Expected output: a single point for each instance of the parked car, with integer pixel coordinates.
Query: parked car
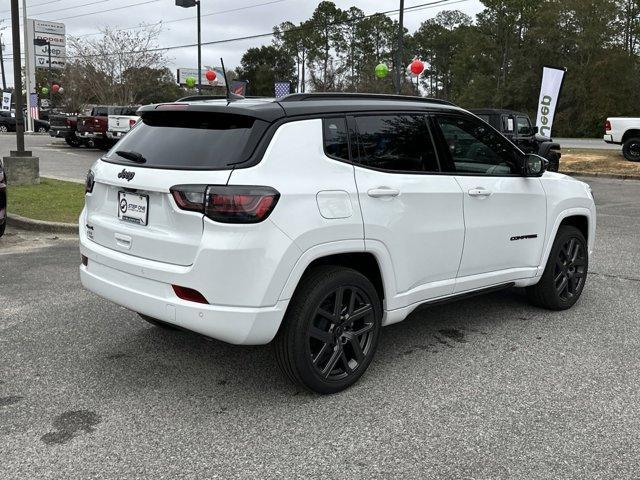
(517, 127)
(121, 120)
(8, 123)
(624, 131)
(64, 126)
(3, 199)
(313, 220)
(92, 128)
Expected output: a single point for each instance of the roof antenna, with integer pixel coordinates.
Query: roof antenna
(231, 97)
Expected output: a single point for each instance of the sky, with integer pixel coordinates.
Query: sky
(222, 19)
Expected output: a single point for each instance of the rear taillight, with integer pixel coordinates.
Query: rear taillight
(189, 294)
(89, 182)
(607, 125)
(132, 122)
(227, 203)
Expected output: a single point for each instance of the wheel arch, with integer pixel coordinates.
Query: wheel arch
(580, 217)
(349, 254)
(631, 133)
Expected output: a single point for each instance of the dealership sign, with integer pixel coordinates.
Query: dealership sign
(55, 34)
(184, 73)
(552, 78)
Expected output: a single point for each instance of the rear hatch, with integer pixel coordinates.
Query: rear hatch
(131, 208)
(60, 121)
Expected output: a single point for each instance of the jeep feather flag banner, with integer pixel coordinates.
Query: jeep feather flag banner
(6, 100)
(549, 92)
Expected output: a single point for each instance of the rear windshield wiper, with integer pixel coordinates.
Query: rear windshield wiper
(133, 156)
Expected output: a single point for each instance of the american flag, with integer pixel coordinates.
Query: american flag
(282, 88)
(33, 111)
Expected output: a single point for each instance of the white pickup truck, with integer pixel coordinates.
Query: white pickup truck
(624, 131)
(121, 120)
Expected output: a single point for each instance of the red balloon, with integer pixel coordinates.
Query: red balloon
(211, 75)
(55, 88)
(417, 67)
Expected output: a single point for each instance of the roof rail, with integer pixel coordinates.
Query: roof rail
(193, 98)
(301, 97)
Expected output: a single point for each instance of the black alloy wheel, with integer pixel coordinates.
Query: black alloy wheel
(341, 332)
(631, 149)
(330, 332)
(565, 274)
(570, 269)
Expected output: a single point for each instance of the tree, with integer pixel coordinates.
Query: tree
(262, 66)
(103, 66)
(325, 31)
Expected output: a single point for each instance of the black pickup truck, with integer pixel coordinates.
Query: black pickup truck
(517, 127)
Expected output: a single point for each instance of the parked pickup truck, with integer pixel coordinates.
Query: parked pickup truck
(121, 120)
(517, 127)
(92, 128)
(64, 126)
(624, 131)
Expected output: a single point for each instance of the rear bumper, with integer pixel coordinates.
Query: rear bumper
(115, 135)
(93, 135)
(609, 139)
(237, 325)
(60, 132)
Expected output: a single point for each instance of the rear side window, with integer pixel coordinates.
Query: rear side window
(189, 140)
(395, 143)
(336, 138)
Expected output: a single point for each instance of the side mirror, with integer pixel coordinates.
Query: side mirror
(534, 165)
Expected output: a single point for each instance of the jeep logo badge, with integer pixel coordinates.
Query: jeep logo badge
(126, 175)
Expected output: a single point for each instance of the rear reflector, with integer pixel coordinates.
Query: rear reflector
(189, 294)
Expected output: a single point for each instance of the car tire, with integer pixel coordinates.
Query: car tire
(4, 129)
(565, 274)
(158, 323)
(554, 161)
(330, 330)
(73, 141)
(42, 130)
(631, 149)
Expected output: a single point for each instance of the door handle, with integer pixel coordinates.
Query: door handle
(383, 192)
(479, 192)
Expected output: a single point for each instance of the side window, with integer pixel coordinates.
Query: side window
(336, 137)
(396, 143)
(475, 148)
(524, 126)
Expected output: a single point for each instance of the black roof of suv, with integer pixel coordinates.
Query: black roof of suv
(302, 104)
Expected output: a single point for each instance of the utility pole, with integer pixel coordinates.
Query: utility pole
(4, 79)
(399, 53)
(21, 167)
(189, 4)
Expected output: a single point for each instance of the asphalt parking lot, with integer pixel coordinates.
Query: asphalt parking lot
(489, 387)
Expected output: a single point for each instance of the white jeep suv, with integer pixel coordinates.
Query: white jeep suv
(314, 220)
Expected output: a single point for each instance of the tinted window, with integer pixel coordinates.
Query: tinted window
(477, 148)
(395, 143)
(100, 112)
(187, 140)
(524, 126)
(336, 138)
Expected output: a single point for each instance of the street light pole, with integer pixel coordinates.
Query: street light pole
(49, 77)
(399, 53)
(188, 4)
(199, 52)
(17, 77)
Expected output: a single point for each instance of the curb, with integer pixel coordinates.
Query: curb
(618, 176)
(40, 225)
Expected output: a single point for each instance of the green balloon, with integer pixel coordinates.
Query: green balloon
(382, 70)
(190, 81)
(45, 90)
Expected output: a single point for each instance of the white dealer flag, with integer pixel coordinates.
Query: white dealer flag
(549, 92)
(6, 100)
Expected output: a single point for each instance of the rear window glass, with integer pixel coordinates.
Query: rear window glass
(188, 140)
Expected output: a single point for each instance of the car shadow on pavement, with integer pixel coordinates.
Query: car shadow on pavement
(183, 363)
